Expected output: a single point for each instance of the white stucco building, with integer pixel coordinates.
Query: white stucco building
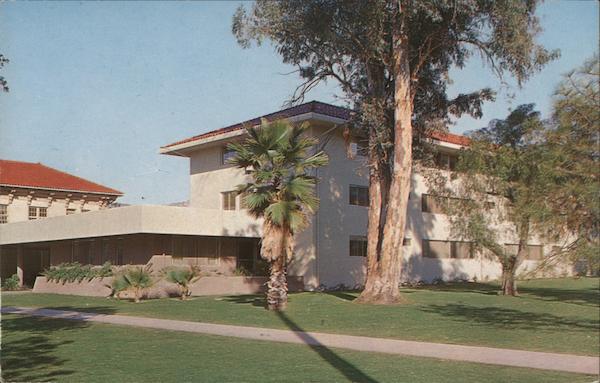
(215, 232)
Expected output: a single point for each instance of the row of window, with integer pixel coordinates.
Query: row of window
(445, 249)
(34, 212)
(440, 205)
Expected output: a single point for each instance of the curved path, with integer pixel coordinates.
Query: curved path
(488, 355)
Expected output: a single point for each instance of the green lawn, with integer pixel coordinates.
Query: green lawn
(550, 315)
(35, 349)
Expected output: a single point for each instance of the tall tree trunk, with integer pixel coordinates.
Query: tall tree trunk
(277, 286)
(511, 263)
(385, 261)
(276, 247)
(509, 284)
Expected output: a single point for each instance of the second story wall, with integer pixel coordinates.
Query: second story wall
(24, 204)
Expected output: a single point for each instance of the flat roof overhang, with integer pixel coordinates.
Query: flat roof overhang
(132, 220)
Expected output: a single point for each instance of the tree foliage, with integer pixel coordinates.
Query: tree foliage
(499, 193)
(572, 152)
(3, 82)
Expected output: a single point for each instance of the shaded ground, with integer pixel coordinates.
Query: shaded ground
(550, 315)
(35, 349)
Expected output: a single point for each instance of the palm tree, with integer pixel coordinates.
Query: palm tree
(183, 277)
(134, 279)
(279, 158)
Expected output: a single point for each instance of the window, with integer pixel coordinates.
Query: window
(229, 200)
(36, 212)
(406, 242)
(359, 195)
(85, 210)
(439, 205)
(447, 249)
(243, 203)
(3, 213)
(533, 252)
(71, 211)
(358, 246)
(446, 161)
(226, 155)
(358, 149)
(432, 204)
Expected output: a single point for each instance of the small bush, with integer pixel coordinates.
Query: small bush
(241, 271)
(182, 277)
(134, 279)
(75, 271)
(11, 283)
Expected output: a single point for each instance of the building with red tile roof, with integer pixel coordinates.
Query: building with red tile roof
(39, 176)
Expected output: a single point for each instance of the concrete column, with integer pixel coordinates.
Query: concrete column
(20, 262)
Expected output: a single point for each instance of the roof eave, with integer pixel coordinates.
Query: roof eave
(184, 148)
(115, 194)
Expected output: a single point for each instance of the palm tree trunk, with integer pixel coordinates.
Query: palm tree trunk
(277, 293)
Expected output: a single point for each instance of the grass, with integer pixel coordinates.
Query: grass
(36, 349)
(559, 315)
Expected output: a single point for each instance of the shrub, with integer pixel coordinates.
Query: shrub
(134, 279)
(241, 271)
(75, 271)
(11, 283)
(182, 277)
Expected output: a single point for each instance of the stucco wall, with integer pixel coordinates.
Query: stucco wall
(100, 287)
(57, 204)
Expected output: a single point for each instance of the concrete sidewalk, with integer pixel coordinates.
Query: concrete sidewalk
(488, 355)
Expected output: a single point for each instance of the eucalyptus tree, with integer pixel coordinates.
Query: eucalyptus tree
(279, 159)
(391, 59)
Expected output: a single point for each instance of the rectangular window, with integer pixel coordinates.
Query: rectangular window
(461, 250)
(358, 246)
(243, 203)
(226, 155)
(359, 195)
(229, 200)
(433, 204)
(440, 205)
(447, 249)
(446, 161)
(3, 213)
(71, 211)
(359, 149)
(436, 249)
(36, 212)
(406, 242)
(533, 252)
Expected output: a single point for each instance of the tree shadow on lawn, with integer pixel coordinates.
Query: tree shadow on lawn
(32, 355)
(505, 318)
(254, 300)
(351, 372)
(583, 297)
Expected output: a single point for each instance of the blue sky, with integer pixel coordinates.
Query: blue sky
(97, 88)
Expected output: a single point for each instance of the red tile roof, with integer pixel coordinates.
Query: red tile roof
(36, 175)
(315, 107)
(451, 138)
